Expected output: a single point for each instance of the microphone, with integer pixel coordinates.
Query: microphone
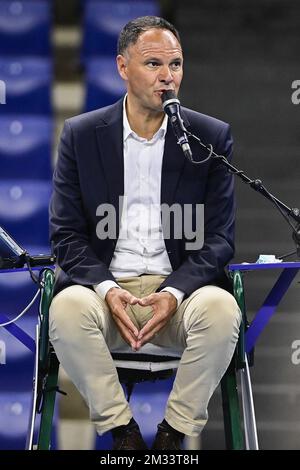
(171, 106)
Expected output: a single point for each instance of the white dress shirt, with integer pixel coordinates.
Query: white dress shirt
(140, 248)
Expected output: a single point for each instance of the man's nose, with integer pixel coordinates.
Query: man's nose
(165, 75)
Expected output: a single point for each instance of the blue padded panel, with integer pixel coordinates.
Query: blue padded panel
(14, 412)
(24, 210)
(104, 85)
(103, 22)
(17, 371)
(28, 82)
(25, 27)
(25, 146)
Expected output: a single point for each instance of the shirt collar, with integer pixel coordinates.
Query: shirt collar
(127, 131)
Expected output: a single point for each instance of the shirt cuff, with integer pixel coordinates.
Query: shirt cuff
(102, 288)
(176, 292)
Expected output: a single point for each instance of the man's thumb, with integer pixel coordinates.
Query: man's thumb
(144, 301)
(133, 300)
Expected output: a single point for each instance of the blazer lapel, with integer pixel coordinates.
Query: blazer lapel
(110, 144)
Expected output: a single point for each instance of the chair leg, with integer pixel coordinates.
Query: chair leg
(231, 411)
(48, 365)
(50, 389)
(251, 439)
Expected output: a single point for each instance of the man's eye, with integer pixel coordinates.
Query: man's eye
(153, 64)
(176, 65)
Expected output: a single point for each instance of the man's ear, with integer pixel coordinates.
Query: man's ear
(122, 65)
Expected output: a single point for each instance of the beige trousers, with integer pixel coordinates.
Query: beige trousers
(204, 331)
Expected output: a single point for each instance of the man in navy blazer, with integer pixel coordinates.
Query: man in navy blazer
(162, 291)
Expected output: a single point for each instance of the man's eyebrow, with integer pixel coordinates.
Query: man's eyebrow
(155, 59)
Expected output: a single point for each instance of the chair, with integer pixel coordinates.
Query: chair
(24, 210)
(103, 21)
(25, 27)
(104, 85)
(25, 147)
(132, 371)
(28, 83)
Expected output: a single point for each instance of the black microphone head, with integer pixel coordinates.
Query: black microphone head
(171, 106)
(170, 102)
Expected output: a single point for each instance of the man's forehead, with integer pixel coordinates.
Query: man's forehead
(157, 40)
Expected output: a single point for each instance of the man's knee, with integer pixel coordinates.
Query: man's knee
(75, 305)
(213, 305)
(227, 311)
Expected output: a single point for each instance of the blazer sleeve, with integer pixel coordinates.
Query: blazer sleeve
(68, 226)
(206, 265)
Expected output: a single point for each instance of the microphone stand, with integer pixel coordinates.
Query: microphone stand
(258, 186)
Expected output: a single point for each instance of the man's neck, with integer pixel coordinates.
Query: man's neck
(144, 123)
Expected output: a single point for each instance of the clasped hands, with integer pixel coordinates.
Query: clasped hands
(164, 305)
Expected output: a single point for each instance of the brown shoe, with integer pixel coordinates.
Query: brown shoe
(166, 440)
(130, 439)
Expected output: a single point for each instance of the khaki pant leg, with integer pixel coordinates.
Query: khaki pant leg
(206, 328)
(83, 332)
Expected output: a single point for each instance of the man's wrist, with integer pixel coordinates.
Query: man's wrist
(103, 287)
(177, 293)
(110, 291)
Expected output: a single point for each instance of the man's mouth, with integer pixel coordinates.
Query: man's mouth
(163, 90)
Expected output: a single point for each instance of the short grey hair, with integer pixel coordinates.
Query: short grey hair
(134, 28)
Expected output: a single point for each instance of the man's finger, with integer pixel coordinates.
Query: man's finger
(124, 318)
(126, 334)
(150, 326)
(151, 334)
(129, 298)
(148, 300)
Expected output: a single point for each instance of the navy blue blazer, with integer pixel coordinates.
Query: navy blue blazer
(90, 172)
